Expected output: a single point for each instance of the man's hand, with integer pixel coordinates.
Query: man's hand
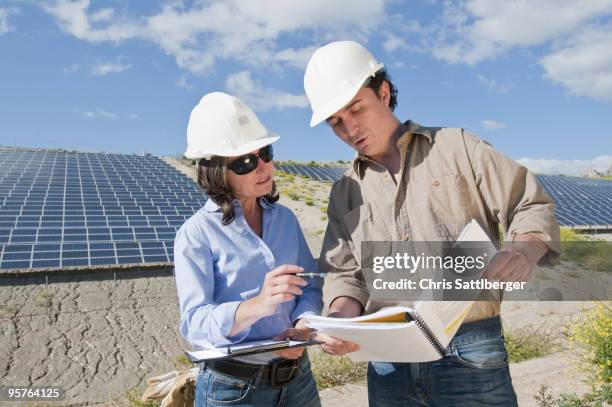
(516, 261)
(335, 346)
(341, 307)
(300, 333)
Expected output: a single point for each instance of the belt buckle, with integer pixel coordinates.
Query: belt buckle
(276, 374)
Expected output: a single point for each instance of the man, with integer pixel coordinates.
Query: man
(410, 182)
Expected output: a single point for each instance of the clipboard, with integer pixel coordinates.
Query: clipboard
(246, 348)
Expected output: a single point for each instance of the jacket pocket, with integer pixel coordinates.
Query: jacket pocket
(444, 205)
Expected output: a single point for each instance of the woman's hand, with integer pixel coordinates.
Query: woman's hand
(280, 285)
(300, 333)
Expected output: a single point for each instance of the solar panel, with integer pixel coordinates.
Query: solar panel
(71, 209)
(580, 202)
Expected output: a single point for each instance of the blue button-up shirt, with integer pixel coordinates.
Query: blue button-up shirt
(218, 266)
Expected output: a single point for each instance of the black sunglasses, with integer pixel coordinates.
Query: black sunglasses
(245, 163)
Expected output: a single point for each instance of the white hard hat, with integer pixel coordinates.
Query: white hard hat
(223, 125)
(334, 75)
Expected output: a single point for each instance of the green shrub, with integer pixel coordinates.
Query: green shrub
(592, 340)
(527, 343)
(594, 398)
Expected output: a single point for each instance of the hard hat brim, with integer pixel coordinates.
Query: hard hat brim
(233, 152)
(341, 100)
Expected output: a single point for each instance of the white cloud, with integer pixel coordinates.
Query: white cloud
(584, 63)
(493, 85)
(71, 69)
(247, 31)
(575, 44)
(4, 17)
(104, 114)
(393, 42)
(400, 34)
(105, 68)
(296, 57)
(259, 97)
(105, 14)
(572, 40)
(72, 18)
(481, 29)
(199, 34)
(566, 167)
(492, 125)
(99, 114)
(182, 82)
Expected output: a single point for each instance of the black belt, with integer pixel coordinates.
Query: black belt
(275, 374)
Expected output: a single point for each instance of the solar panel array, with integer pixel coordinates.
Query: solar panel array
(62, 209)
(317, 173)
(580, 202)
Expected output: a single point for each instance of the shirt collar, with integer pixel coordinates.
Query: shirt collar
(403, 133)
(266, 205)
(211, 206)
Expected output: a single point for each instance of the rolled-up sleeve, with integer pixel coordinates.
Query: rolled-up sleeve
(310, 302)
(345, 278)
(515, 198)
(204, 323)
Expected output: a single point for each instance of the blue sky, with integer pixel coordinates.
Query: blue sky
(532, 77)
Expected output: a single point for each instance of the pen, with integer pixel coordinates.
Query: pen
(311, 275)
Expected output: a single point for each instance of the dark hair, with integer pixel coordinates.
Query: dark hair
(212, 180)
(377, 80)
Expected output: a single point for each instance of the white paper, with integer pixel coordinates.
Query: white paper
(382, 342)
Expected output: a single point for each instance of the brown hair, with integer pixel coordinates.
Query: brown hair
(377, 80)
(212, 180)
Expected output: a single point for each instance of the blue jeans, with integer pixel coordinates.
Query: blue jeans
(473, 373)
(216, 389)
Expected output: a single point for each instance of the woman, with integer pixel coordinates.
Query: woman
(235, 261)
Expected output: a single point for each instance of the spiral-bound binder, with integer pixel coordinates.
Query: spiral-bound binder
(431, 337)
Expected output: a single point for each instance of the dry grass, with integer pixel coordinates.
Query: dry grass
(332, 371)
(586, 251)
